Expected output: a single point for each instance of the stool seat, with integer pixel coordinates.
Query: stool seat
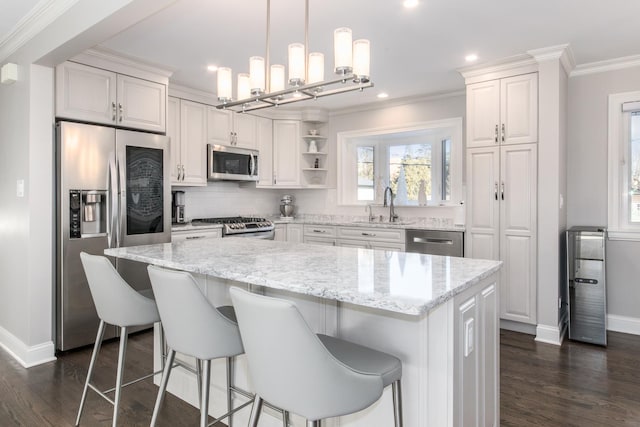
(364, 359)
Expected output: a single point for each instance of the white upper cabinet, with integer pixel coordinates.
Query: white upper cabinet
(187, 128)
(95, 95)
(226, 127)
(264, 132)
(503, 111)
(286, 153)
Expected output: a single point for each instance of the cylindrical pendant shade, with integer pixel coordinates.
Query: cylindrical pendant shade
(361, 58)
(224, 84)
(244, 86)
(342, 48)
(296, 63)
(277, 78)
(316, 67)
(256, 73)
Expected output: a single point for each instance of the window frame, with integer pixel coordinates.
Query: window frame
(619, 139)
(345, 180)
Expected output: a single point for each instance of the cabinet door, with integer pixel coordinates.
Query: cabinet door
(280, 232)
(264, 144)
(286, 153)
(219, 126)
(193, 132)
(352, 243)
(320, 241)
(387, 246)
(85, 93)
(518, 194)
(173, 132)
(483, 113)
(483, 226)
(244, 127)
(294, 233)
(519, 109)
(141, 104)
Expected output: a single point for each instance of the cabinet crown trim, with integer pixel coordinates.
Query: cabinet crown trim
(514, 65)
(109, 60)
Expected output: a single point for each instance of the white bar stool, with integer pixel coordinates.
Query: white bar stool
(193, 327)
(315, 376)
(118, 304)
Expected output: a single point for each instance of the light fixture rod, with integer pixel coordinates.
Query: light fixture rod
(266, 57)
(306, 39)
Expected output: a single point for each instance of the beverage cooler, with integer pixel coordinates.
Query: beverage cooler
(586, 281)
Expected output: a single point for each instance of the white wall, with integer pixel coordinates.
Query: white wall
(587, 179)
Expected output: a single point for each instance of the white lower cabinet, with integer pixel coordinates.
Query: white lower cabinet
(210, 233)
(390, 239)
(280, 232)
(295, 233)
(502, 222)
(320, 234)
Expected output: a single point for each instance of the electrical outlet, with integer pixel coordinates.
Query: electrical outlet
(20, 188)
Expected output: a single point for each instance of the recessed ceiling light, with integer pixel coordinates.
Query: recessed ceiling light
(212, 68)
(410, 3)
(383, 95)
(471, 58)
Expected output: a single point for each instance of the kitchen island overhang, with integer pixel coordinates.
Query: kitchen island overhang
(438, 314)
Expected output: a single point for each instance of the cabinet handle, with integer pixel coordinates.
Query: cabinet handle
(183, 172)
(178, 166)
(113, 108)
(502, 191)
(195, 237)
(496, 134)
(120, 110)
(319, 231)
(495, 190)
(503, 132)
(235, 138)
(369, 234)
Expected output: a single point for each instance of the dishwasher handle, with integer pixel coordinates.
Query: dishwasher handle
(433, 240)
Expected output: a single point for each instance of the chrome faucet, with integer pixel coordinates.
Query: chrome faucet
(371, 216)
(392, 212)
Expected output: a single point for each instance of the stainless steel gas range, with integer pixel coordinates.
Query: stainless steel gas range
(239, 226)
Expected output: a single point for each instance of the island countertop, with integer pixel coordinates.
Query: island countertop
(407, 283)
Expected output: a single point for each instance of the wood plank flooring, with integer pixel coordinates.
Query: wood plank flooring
(541, 385)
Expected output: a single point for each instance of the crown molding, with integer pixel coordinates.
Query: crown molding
(510, 66)
(562, 52)
(43, 13)
(607, 65)
(108, 59)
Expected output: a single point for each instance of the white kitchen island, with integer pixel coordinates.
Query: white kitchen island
(439, 315)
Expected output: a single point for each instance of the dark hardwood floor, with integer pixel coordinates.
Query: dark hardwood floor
(572, 385)
(541, 385)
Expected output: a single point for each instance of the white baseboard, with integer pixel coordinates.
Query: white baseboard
(548, 334)
(25, 355)
(627, 325)
(523, 328)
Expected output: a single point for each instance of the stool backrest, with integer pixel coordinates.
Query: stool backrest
(116, 302)
(191, 324)
(291, 368)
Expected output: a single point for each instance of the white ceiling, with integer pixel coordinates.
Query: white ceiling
(414, 51)
(12, 12)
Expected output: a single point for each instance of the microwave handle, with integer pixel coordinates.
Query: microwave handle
(252, 165)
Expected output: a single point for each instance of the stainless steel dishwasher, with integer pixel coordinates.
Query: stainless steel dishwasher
(435, 242)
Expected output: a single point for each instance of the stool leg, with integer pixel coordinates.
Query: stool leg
(204, 403)
(285, 418)
(163, 385)
(229, 397)
(255, 411)
(121, 357)
(316, 423)
(397, 403)
(199, 378)
(94, 356)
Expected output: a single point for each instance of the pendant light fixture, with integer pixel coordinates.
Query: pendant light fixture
(269, 85)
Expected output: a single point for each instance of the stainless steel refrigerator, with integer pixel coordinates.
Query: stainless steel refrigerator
(586, 280)
(113, 190)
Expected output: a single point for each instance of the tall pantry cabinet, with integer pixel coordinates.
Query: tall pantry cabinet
(502, 165)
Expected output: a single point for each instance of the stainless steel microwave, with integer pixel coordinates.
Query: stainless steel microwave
(226, 163)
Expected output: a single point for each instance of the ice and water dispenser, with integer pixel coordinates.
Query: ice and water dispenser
(88, 213)
(586, 281)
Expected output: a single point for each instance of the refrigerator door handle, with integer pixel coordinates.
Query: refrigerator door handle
(122, 199)
(112, 186)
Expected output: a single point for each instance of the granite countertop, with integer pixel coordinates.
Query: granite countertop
(406, 283)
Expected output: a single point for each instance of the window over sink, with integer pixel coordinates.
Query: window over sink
(420, 158)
